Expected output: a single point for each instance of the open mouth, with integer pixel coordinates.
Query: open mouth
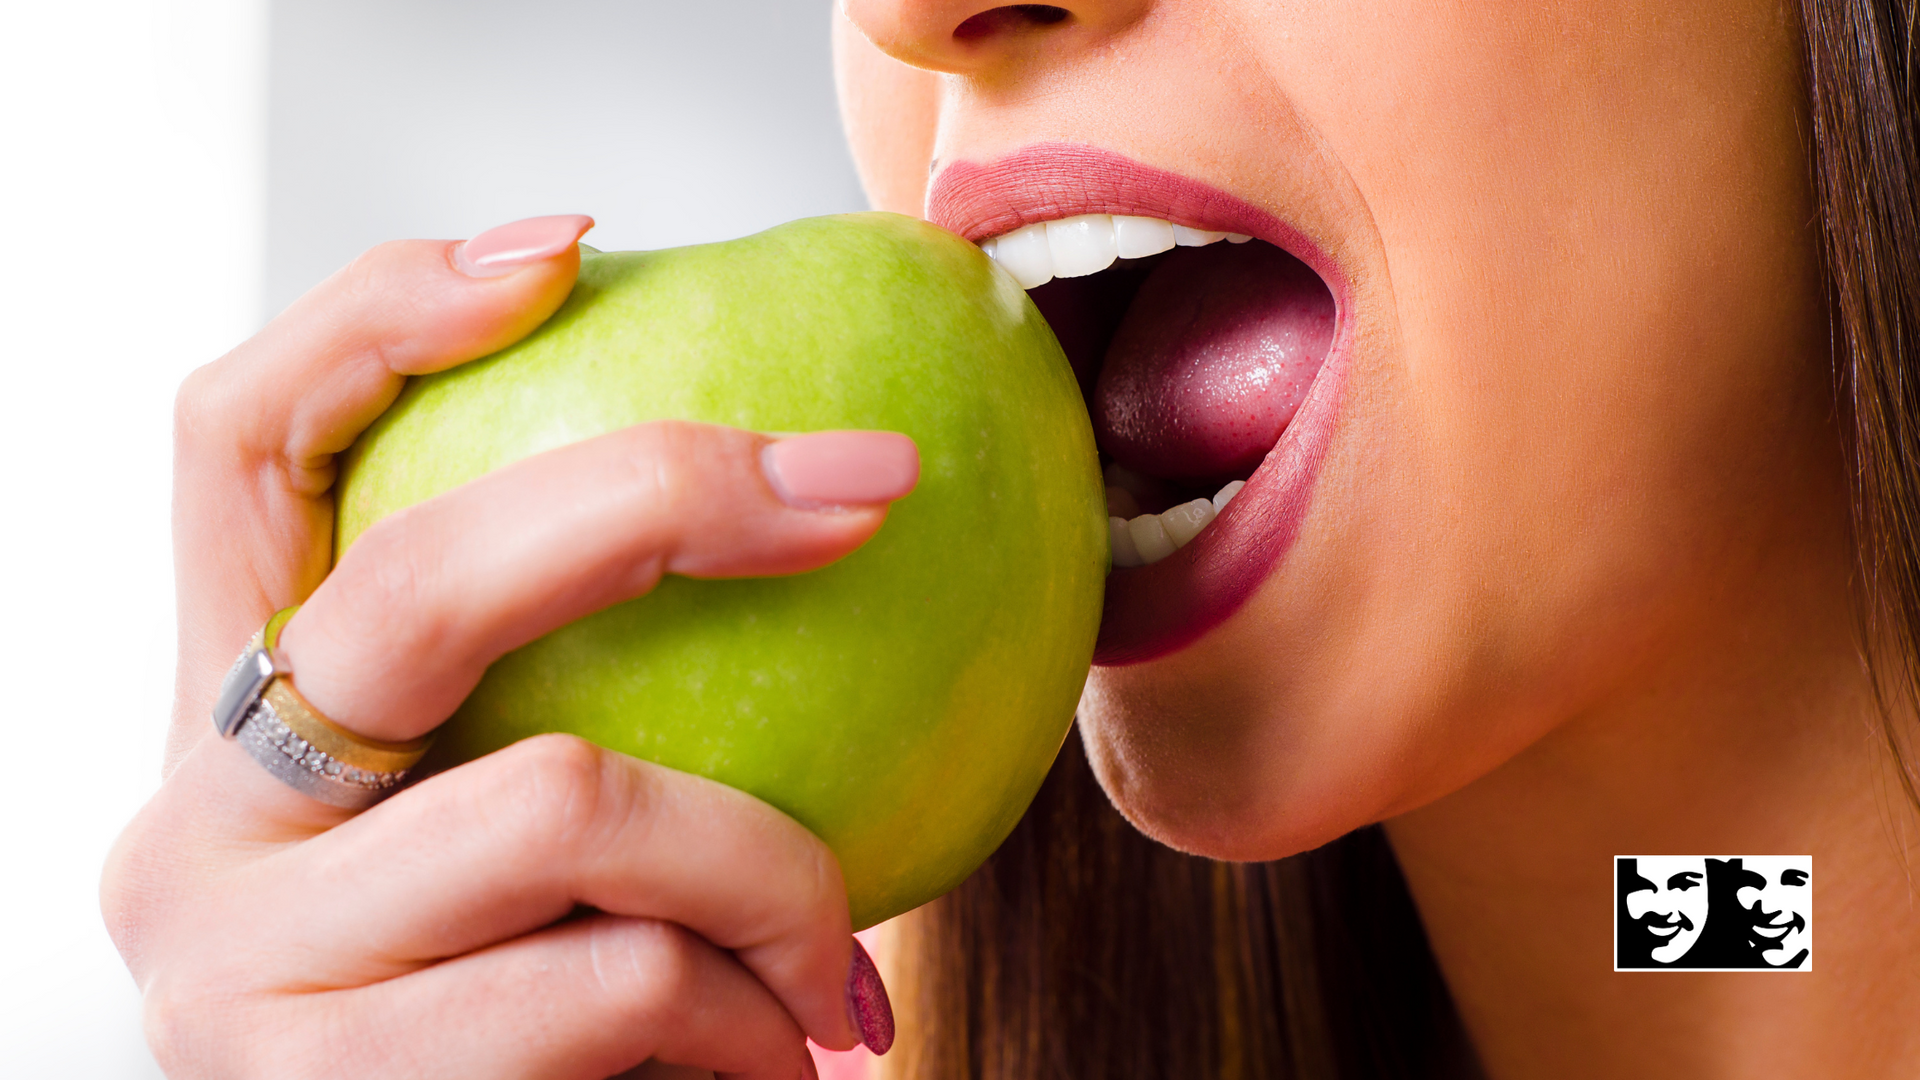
(1194, 350)
(1205, 335)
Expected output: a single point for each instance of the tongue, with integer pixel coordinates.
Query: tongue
(1211, 361)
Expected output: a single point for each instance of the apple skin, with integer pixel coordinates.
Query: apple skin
(905, 702)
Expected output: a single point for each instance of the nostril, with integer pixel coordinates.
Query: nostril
(1011, 17)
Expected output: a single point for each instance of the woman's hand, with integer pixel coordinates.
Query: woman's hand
(553, 909)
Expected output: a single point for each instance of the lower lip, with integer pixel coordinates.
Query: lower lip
(1155, 610)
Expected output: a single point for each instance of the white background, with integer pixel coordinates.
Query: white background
(671, 123)
(173, 170)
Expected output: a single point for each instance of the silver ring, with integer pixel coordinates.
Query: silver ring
(260, 708)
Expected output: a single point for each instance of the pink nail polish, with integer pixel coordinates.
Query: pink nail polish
(502, 250)
(841, 468)
(867, 1002)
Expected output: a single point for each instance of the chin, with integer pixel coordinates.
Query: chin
(1193, 761)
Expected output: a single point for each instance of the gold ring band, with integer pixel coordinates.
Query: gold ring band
(261, 709)
(330, 738)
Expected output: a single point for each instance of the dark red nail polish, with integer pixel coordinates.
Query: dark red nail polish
(867, 1002)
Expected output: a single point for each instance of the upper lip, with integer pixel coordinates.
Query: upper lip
(1050, 181)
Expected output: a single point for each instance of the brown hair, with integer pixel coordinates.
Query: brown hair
(1860, 67)
(1083, 950)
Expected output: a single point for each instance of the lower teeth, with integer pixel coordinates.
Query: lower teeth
(1149, 538)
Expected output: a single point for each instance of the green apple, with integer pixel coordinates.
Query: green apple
(903, 703)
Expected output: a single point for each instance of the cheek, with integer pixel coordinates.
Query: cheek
(1575, 432)
(890, 112)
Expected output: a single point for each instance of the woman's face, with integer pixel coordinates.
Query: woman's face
(1575, 404)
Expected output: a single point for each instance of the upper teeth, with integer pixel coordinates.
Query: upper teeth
(1149, 538)
(1089, 243)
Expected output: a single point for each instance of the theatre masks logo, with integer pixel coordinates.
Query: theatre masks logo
(1713, 913)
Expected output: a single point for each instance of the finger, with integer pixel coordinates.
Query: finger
(507, 844)
(304, 387)
(511, 583)
(256, 431)
(406, 625)
(588, 999)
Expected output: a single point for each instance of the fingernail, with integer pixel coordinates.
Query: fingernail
(808, 1070)
(502, 250)
(867, 1002)
(841, 468)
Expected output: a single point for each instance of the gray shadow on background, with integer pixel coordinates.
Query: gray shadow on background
(671, 123)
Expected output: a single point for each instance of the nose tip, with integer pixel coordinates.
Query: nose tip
(965, 36)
